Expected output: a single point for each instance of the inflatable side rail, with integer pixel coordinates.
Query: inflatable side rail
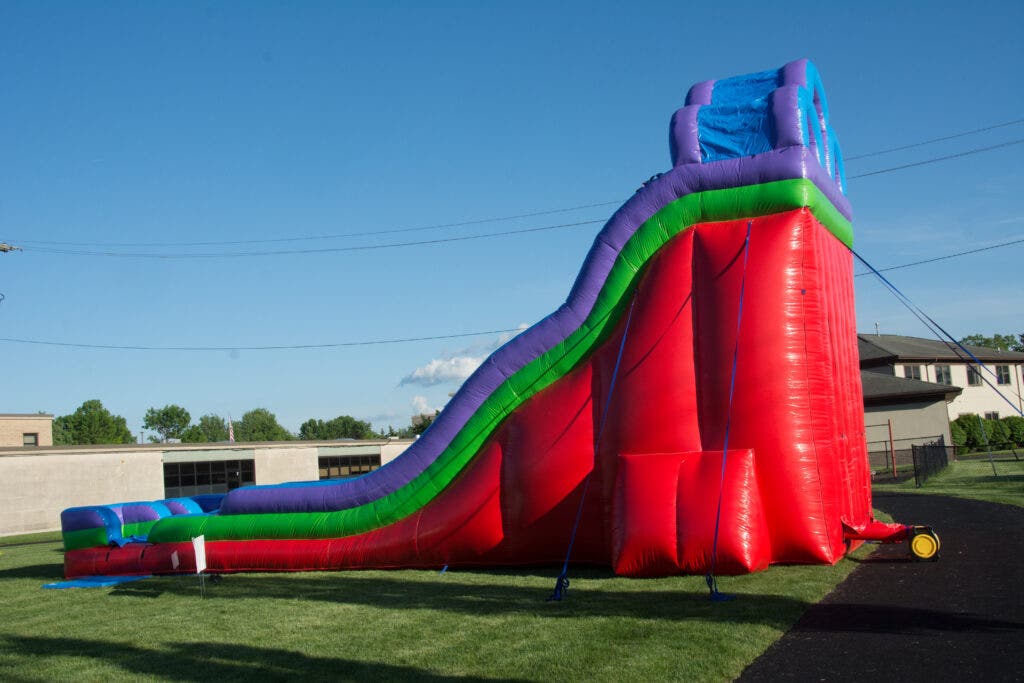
(93, 526)
(755, 114)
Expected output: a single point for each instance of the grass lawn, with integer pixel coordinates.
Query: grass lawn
(397, 625)
(971, 479)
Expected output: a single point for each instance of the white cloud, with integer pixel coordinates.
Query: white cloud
(455, 368)
(444, 370)
(422, 406)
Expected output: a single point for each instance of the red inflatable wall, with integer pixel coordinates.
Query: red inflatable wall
(795, 472)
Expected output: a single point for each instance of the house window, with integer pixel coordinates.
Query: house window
(992, 415)
(195, 478)
(30, 439)
(912, 371)
(343, 466)
(973, 377)
(943, 375)
(1003, 374)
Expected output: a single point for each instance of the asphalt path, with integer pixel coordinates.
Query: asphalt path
(958, 619)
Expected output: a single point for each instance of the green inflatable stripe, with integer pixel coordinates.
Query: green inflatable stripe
(674, 218)
(86, 538)
(98, 537)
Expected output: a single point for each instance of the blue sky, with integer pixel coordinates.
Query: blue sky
(175, 123)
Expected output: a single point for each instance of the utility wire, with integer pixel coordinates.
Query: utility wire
(389, 231)
(934, 140)
(943, 258)
(290, 347)
(496, 219)
(323, 250)
(377, 342)
(938, 159)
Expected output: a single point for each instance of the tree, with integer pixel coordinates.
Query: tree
(424, 423)
(260, 425)
(341, 427)
(210, 429)
(91, 423)
(193, 435)
(170, 422)
(1004, 342)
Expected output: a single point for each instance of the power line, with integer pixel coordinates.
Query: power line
(943, 258)
(938, 159)
(326, 250)
(934, 140)
(377, 342)
(323, 250)
(479, 221)
(290, 347)
(389, 231)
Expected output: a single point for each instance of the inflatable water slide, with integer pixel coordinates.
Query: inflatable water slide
(694, 405)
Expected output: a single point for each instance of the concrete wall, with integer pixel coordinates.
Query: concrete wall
(14, 427)
(912, 423)
(36, 484)
(277, 465)
(35, 487)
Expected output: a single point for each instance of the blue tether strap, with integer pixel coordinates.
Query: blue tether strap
(562, 582)
(936, 329)
(716, 596)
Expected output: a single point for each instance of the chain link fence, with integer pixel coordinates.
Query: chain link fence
(895, 460)
(929, 459)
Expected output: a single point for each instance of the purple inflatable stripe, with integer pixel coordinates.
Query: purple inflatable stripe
(76, 519)
(133, 513)
(783, 164)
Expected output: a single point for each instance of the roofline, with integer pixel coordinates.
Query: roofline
(209, 446)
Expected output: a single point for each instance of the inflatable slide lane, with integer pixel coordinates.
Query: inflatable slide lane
(698, 392)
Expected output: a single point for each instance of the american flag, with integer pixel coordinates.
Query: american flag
(231, 431)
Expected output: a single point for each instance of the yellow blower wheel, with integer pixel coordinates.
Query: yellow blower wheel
(924, 544)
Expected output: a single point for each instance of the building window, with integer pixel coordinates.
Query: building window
(943, 375)
(195, 478)
(912, 371)
(30, 439)
(973, 377)
(342, 466)
(1003, 374)
(992, 415)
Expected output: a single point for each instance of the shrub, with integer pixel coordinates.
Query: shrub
(971, 425)
(998, 434)
(958, 435)
(1015, 425)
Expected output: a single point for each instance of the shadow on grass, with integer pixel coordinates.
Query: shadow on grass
(892, 619)
(43, 572)
(473, 597)
(203, 662)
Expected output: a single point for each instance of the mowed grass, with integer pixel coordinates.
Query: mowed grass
(971, 479)
(394, 625)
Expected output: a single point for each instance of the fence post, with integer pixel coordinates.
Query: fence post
(892, 450)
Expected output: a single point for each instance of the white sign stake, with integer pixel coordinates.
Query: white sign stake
(199, 545)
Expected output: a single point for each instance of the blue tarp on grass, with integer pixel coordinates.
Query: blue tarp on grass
(95, 581)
